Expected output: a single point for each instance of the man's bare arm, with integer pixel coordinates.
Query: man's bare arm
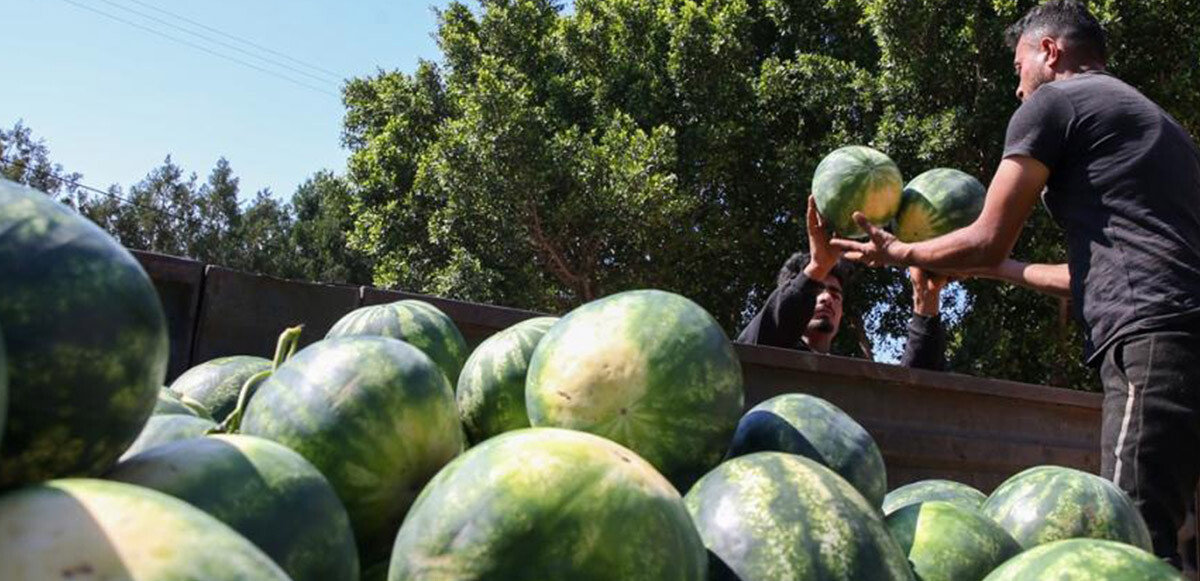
(985, 243)
(1051, 279)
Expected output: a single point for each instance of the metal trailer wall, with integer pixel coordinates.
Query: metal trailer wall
(927, 424)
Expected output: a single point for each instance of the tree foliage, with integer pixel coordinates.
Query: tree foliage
(551, 156)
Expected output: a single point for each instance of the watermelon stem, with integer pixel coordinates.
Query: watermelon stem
(285, 347)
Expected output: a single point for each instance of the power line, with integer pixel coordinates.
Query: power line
(191, 221)
(217, 41)
(332, 74)
(202, 48)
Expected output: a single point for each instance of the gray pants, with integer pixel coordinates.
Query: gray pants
(1150, 443)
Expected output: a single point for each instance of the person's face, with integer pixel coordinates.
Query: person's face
(827, 315)
(1034, 62)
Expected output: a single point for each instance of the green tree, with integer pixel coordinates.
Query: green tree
(321, 208)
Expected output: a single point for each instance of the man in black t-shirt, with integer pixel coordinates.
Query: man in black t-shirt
(804, 312)
(1122, 178)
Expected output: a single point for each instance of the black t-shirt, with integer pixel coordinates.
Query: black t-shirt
(1125, 186)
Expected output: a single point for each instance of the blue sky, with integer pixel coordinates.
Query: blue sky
(112, 100)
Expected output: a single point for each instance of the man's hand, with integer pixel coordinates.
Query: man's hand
(822, 257)
(880, 249)
(927, 290)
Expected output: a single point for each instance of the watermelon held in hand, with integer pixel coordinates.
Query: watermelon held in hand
(375, 415)
(1050, 503)
(801, 424)
(1085, 560)
(938, 202)
(491, 387)
(217, 383)
(647, 369)
(946, 542)
(264, 491)
(417, 323)
(545, 503)
(857, 179)
(96, 529)
(85, 341)
(772, 515)
(927, 490)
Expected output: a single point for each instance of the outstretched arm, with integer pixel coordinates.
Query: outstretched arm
(1051, 279)
(984, 244)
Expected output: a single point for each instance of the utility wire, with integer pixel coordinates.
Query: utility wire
(191, 221)
(216, 41)
(202, 48)
(335, 76)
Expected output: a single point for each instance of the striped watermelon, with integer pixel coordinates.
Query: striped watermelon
(375, 415)
(217, 383)
(170, 403)
(801, 424)
(417, 323)
(1085, 560)
(938, 202)
(262, 490)
(165, 428)
(1050, 503)
(85, 341)
(491, 388)
(946, 542)
(543, 503)
(771, 515)
(927, 490)
(856, 179)
(647, 369)
(94, 529)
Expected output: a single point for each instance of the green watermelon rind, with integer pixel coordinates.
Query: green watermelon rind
(166, 428)
(857, 178)
(799, 423)
(546, 503)
(216, 383)
(416, 322)
(773, 515)
(85, 339)
(927, 490)
(1085, 560)
(945, 541)
(938, 202)
(650, 370)
(96, 529)
(375, 415)
(266, 492)
(1049, 503)
(491, 387)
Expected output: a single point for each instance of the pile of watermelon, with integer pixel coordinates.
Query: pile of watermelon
(610, 443)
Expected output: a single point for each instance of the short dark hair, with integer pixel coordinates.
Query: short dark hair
(1069, 19)
(843, 271)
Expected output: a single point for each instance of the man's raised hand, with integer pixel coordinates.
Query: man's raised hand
(880, 249)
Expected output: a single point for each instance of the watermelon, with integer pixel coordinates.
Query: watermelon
(94, 529)
(798, 423)
(417, 323)
(938, 202)
(217, 383)
(262, 490)
(946, 542)
(544, 503)
(1050, 503)
(85, 340)
(776, 516)
(170, 403)
(647, 369)
(375, 415)
(856, 179)
(164, 428)
(491, 387)
(926, 490)
(1085, 560)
